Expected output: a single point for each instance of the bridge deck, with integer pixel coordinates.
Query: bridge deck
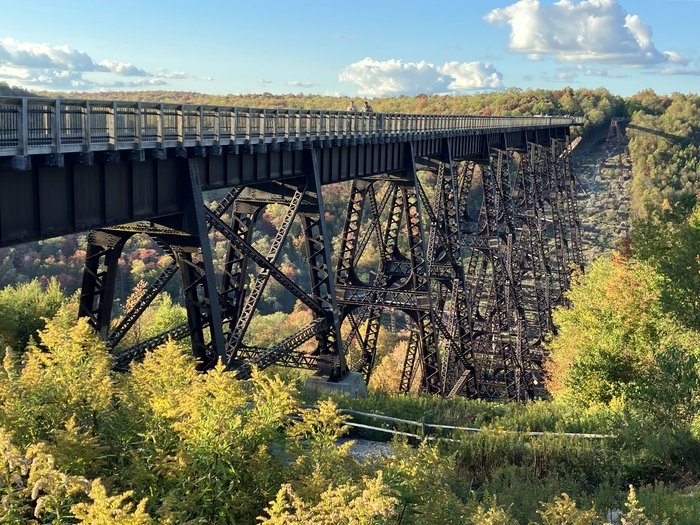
(30, 126)
(86, 164)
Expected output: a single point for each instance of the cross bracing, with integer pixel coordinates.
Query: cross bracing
(471, 259)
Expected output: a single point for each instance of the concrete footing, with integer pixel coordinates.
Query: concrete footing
(353, 385)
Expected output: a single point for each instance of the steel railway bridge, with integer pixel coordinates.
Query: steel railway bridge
(476, 255)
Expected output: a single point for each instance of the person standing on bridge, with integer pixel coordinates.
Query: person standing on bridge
(367, 109)
(351, 124)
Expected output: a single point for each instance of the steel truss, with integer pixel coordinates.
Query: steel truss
(475, 255)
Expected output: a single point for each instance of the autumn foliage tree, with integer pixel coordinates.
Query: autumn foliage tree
(617, 342)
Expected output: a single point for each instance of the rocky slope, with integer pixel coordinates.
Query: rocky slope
(606, 180)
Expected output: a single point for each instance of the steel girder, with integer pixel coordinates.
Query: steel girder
(402, 278)
(476, 262)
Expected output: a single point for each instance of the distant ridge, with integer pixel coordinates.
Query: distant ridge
(7, 90)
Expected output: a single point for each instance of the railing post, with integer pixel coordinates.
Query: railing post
(23, 128)
(217, 127)
(112, 125)
(200, 126)
(180, 117)
(138, 129)
(286, 126)
(56, 127)
(248, 124)
(87, 127)
(159, 127)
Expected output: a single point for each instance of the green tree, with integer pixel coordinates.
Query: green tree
(63, 392)
(617, 342)
(669, 241)
(23, 310)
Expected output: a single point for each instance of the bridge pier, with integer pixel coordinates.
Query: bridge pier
(474, 219)
(476, 269)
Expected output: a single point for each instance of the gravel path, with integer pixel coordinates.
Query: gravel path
(366, 450)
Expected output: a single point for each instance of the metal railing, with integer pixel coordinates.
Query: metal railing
(424, 429)
(45, 126)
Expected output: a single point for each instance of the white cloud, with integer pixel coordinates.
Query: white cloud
(588, 31)
(143, 82)
(44, 56)
(264, 81)
(62, 67)
(124, 68)
(166, 73)
(344, 37)
(565, 76)
(296, 83)
(691, 71)
(393, 76)
(592, 71)
(49, 78)
(471, 75)
(72, 80)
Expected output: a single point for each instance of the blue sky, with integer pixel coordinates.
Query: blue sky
(351, 48)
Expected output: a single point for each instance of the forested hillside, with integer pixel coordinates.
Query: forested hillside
(164, 444)
(664, 135)
(13, 91)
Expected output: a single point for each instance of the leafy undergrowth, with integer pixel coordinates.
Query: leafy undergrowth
(166, 444)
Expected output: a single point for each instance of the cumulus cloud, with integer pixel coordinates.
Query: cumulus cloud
(387, 77)
(73, 80)
(124, 68)
(264, 81)
(45, 56)
(49, 78)
(588, 31)
(62, 67)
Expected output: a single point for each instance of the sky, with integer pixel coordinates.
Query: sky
(356, 48)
